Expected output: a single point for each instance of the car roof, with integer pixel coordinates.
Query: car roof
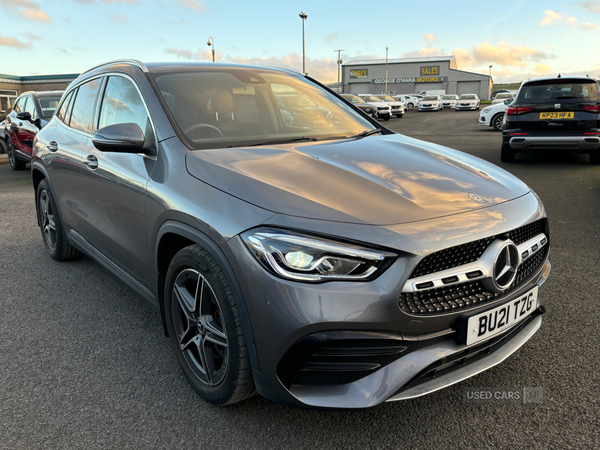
(43, 93)
(565, 78)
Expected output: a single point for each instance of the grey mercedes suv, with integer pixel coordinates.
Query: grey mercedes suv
(323, 262)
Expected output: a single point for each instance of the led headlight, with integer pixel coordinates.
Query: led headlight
(313, 259)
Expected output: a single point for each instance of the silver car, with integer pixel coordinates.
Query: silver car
(323, 264)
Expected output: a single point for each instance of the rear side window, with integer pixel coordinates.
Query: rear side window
(82, 116)
(62, 112)
(122, 104)
(567, 91)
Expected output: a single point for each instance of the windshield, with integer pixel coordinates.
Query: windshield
(371, 98)
(449, 97)
(431, 97)
(48, 105)
(504, 96)
(237, 107)
(569, 91)
(387, 98)
(467, 97)
(353, 99)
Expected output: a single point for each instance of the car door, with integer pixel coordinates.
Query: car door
(12, 124)
(114, 185)
(65, 141)
(27, 129)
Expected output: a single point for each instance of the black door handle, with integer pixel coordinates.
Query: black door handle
(91, 161)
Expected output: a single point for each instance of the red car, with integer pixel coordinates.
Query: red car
(32, 111)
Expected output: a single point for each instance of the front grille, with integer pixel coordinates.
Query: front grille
(472, 251)
(461, 296)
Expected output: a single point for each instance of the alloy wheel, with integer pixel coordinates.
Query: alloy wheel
(47, 220)
(200, 327)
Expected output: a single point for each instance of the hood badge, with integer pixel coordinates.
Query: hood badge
(476, 198)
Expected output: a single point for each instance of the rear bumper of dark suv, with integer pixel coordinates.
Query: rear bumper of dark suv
(583, 142)
(328, 346)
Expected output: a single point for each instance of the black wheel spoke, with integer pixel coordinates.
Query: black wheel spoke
(186, 302)
(215, 334)
(207, 361)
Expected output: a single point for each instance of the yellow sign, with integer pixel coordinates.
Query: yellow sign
(557, 115)
(359, 73)
(429, 79)
(430, 70)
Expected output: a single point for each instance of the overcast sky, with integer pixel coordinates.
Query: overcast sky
(518, 38)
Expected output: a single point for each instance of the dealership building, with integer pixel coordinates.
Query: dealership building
(411, 75)
(12, 86)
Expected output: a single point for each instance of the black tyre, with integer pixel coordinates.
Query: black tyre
(411, 105)
(507, 154)
(595, 157)
(205, 328)
(399, 115)
(3, 148)
(497, 121)
(53, 232)
(15, 163)
(387, 117)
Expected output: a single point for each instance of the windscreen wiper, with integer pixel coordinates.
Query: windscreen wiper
(367, 133)
(283, 141)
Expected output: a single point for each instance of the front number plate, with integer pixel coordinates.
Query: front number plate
(490, 323)
(557, 115)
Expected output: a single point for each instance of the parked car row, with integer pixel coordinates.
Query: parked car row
(438, 102)
(377, 106)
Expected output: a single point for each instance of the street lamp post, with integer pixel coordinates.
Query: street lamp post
(303, 16)
(386, 69)
(490, 70)
(210, 42)
(339, 62)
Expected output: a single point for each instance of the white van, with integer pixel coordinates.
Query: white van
(433, 92)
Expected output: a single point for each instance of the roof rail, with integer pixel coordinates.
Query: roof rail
(133, 62)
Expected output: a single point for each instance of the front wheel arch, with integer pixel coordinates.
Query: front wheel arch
(174, 236)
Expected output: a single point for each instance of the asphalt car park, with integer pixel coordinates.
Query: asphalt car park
(84, 362)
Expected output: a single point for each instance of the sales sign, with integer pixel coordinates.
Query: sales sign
(430, 70)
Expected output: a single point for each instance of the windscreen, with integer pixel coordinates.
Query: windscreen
(353, 99)
(504, 96)
(371, 98)
(236, 107)
(431, 98)
(48, 105)
(387, 98)
(467, 97)
(448, 97)
(565, 91)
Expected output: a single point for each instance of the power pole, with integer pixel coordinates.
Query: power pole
(386, 69)
(339, 62)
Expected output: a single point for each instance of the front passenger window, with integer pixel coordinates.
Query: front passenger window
(83, 108)
(122, 104)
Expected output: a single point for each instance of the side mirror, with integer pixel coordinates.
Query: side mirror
(122, 137)
(24, 115)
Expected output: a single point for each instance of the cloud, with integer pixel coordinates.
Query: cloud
(119, 19)
(590, 6)
(555, 17)
(542, 69)
(177, 22)
(194, 5)
(331, 37)
(550, 17)
(503, 54)
(14, 43)
(27, 9)
(429, 37)
(32, 37)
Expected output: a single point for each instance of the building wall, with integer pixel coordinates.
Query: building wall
(413, 76)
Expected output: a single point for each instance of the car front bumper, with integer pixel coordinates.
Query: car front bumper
(289, 318)
(465, 108)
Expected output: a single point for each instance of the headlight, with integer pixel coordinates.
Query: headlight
(313, 259)
(485, 110)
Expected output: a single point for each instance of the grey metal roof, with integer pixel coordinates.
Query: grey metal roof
(420, 59)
